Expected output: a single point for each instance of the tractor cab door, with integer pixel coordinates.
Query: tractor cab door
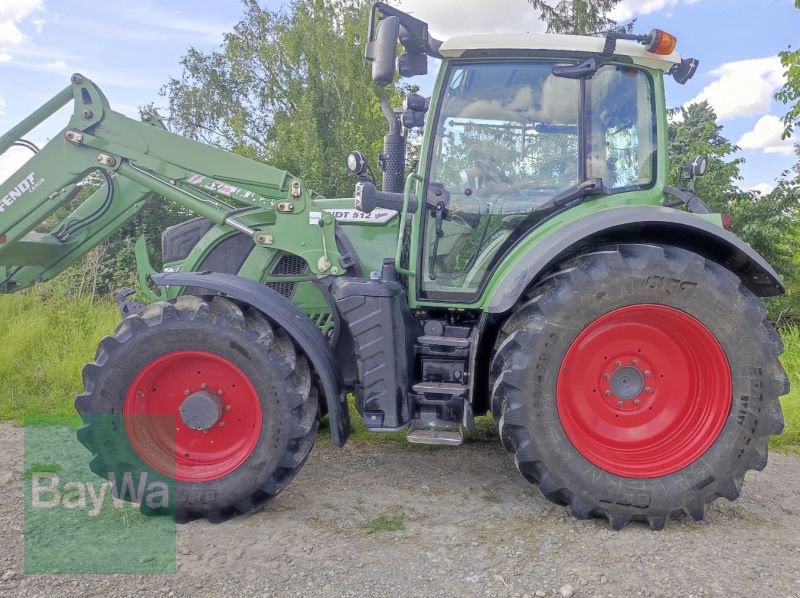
(508, 137)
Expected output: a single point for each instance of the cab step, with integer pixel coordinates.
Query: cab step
(444, 341)
(441, 388)
(435, 432)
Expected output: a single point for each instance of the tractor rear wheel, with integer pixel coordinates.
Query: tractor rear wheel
(209, 397)
(638, 383)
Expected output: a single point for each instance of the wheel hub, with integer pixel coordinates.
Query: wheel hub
(201, 410)
(627, 383)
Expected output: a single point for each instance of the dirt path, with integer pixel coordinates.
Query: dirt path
(472, 527)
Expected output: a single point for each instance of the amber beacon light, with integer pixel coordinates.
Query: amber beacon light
(661, 42)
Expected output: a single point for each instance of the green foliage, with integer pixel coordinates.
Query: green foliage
(765, 222)
(790, 92)
(694, 132)
(49, 337)
(289, 87)
(386, 523)
(581, 17)
(790, 439)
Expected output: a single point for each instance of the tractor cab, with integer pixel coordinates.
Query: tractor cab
(520, 128)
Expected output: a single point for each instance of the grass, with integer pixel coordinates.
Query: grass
(41, 468)
(789, 441)
(47, 340)
(386, 523)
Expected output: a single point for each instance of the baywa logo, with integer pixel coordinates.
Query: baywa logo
(47, 492)
(29, 183)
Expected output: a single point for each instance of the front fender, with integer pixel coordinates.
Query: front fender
(288, 316)
(536, 255)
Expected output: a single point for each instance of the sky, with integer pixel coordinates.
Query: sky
(132, 48)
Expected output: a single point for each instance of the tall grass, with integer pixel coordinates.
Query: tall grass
(47, 338)
(790, 439)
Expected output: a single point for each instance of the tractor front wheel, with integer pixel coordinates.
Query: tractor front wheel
(204, 395)
(637, 383)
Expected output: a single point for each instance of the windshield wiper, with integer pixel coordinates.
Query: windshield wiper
(575, 195)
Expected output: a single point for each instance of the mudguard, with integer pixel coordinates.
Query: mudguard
(639, 225)
(285, 314)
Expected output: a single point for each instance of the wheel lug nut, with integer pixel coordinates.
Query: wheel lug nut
(221, 424)
(203, 385)
(220, 391)
(227, 407)
(617, 363)
(607, 376)
(648, 390)
(607, 393)
(620, 404)
(647, 372)
(635, 361)
(186, 392)
(637, 402)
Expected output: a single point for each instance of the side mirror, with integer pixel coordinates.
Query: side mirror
(383, 50)
(415, 107)
(411, 65)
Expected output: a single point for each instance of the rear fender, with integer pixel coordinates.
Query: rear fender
(285, 314)
(661, 226)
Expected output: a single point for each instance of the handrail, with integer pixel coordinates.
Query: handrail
(413, 177)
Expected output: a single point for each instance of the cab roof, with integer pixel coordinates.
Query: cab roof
(488, 44)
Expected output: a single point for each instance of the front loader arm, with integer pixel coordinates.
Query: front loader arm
(136, 161)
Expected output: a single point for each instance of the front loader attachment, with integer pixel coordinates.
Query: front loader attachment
(98, 172)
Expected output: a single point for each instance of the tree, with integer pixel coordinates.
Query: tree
(693, 131)
(790, 92)
(289, 87)
(765, 222)
(784, 204)
(581, 17)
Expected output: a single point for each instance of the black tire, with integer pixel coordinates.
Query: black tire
(537, 336)
(264, 353)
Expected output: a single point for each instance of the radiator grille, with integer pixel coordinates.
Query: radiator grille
(286, 289)
(289, 265)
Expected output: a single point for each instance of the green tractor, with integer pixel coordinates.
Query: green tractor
(535, 264)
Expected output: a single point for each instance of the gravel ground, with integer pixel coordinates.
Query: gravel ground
(472, 527)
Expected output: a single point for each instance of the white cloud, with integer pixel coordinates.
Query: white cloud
(4, 57)
(58, 66)
(452, 17)
(627, 9)
(743, 88)
(13, 160)
(38, 24)
(2, 105)
(12, 12)
(762, 188)
(766, 137)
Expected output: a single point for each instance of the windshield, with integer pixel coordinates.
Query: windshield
(508, 139)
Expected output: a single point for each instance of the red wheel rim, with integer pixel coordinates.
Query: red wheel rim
(644, 391)
(174, 392)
